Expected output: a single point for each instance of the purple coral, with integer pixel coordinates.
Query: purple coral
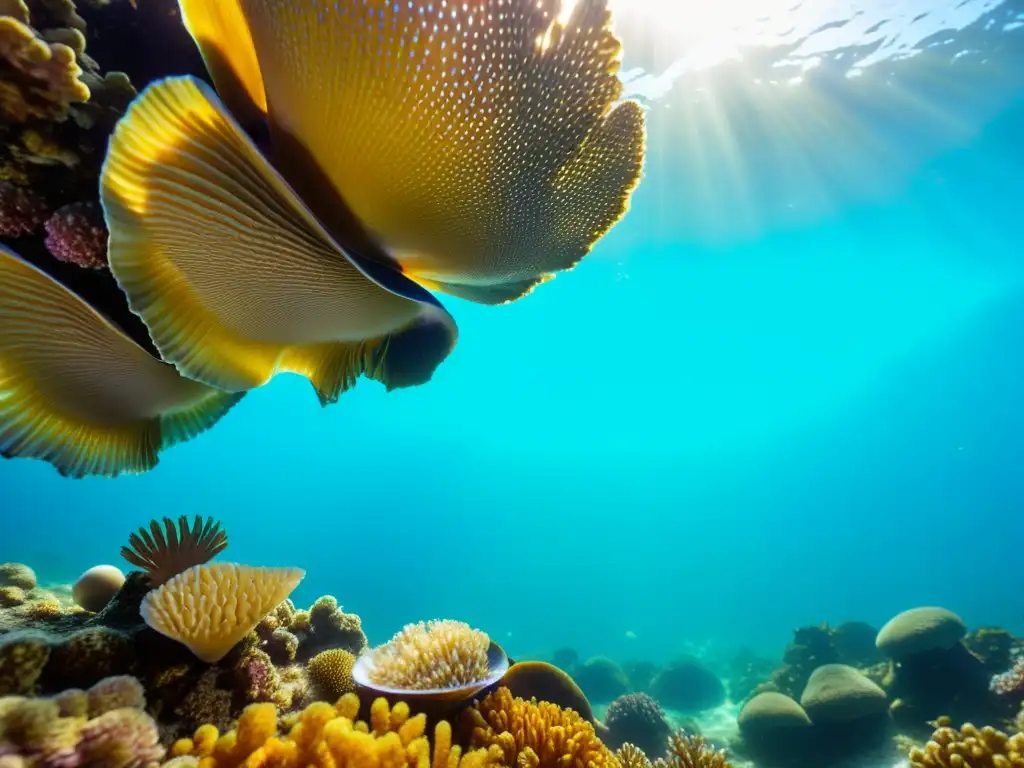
(21, 210)
(121, 738)
(76, 234)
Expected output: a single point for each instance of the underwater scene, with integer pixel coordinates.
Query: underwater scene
(511, 383)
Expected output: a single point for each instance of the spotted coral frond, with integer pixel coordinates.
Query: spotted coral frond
(164, 553)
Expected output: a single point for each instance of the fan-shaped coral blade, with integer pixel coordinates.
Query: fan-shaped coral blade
(233, 276)
(76, 392)
(477, 140)
(211, 608)
(222, 35)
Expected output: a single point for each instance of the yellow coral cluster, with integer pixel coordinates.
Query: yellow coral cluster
(968, 747)
(536, 735)
(37, 78)
(430, 655)
(329, 736)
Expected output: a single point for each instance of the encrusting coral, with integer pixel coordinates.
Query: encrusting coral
(163, 553)
(104, 726)
(327, 735)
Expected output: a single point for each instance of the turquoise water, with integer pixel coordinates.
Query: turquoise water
(784, 390)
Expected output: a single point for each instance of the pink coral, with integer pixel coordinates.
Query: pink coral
(120, 738)
(76, 234)
(1011, 682)
(21, 210)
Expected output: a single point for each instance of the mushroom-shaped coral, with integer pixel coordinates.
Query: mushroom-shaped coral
(97, 587)
(601, 679)
(165, 553)
(636, 718)
(439, 659)
(331, 673)
(211, 608)
(968, 747)
(76, 234)
(920, 630)
(839, 693)
(535, 734)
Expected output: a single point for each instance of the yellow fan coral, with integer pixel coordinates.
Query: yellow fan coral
(163, 554)
(210, 608)
(326, 735)
(968, 747)
(429, 656)
(536, 735)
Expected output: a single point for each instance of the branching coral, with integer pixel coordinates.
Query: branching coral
(430, 656)
(38, 79)
(331, 735)
(164, 553)
(535, 735)
(685, 752)
(968, 747)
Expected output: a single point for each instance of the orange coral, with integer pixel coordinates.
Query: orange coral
(968, 747)
(163, 554)
(326, 735)
(536, 735)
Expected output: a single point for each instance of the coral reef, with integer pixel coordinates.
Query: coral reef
(535, 735)
(331, 673)
(684, 752)
(95, 588)
(601, 679)
(76, 234)
(104, 726)
(430, 655)
(688, 686)
(968, 747)
(636, 718)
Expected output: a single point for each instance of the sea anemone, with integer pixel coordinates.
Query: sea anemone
(440, 659)
(163, 554)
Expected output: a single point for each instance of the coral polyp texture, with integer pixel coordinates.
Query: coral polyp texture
(430, 655)
(76, 234)
(534, 734)
(968, 747)
(211, 608)
(325, 734)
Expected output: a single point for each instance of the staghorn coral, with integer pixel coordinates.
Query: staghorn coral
(535, 735)
(968, 747)
(323, 734)
(80, 729)
(236, 597)
(76, 234)
(331, 673)
(164, 553)
(437, 654)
